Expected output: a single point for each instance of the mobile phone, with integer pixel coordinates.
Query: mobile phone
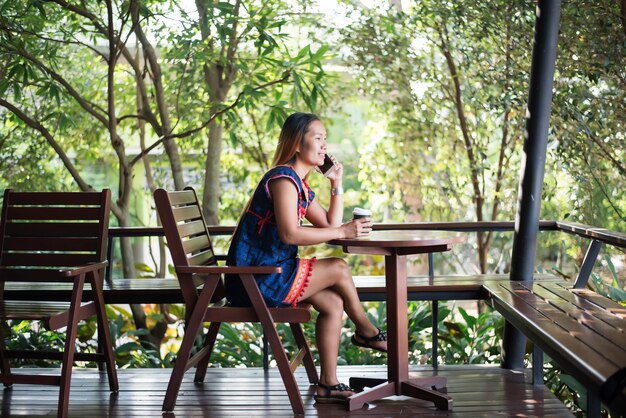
(327, 166)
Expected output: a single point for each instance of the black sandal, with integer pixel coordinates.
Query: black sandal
(381, 336)
(328, 397)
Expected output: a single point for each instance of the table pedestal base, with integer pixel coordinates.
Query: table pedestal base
(425, 388)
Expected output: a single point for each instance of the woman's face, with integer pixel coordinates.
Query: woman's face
(313, 148)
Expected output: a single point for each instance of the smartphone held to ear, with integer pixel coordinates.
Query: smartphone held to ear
(328, 165)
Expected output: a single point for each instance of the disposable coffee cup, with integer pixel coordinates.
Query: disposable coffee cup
(361, 213)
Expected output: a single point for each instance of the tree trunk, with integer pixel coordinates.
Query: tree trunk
(211, 195)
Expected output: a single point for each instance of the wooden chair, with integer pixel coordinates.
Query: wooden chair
(201, 284)
(48, 238)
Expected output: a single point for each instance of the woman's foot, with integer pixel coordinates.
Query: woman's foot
(377, 341)
(337, 393)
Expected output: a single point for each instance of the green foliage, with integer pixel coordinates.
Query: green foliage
(32, 336)
(474, 339)
(612, 288)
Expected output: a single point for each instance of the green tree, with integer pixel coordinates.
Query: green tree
(451, 81)
(590, 110)
(91, 80)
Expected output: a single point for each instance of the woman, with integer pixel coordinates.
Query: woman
(270, 231)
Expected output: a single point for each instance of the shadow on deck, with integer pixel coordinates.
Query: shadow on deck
(477, 391)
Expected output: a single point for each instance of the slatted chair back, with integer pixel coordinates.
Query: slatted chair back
(188, 239)
(50, 239)
(53, 229)
(192, 253)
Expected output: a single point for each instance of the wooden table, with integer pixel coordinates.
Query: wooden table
(395, 246)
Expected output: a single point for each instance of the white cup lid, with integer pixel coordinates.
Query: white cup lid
(362, 212)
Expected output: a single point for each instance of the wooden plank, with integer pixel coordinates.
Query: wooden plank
(47, 259)
(617, 239)
(58, 198)
(66, 213)
(587, 331)
(202, 259)
(183, 197)
(53, 229)
(478, 391)
(585, 304)
(589, 318)
(49, 244)
(191, 228)
(593, 371)
(196, 244)
(185, 213)
(438, 283)
(601, 301)
(34, 310)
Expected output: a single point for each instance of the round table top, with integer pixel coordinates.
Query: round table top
(402, 239)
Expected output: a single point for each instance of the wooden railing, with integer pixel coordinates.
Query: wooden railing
(596, 236)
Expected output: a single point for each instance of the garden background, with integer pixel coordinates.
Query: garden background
(424, 103)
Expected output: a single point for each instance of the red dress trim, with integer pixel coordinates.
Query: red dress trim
(301, 281)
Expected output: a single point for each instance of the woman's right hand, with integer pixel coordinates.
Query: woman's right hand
(357, 228)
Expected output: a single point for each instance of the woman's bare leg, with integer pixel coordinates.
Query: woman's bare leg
(328, 332)
(334, 273)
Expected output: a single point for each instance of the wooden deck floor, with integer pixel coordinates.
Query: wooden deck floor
(478, 391)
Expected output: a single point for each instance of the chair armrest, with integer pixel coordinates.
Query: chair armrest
(228, 269)
(75, 271)
(45, 275)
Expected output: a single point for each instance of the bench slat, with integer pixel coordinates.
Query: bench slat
(574, 298)
(587, 366)
(591, 336)
(586, 316)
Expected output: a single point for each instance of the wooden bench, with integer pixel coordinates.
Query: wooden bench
(585, 333)
(370, 288)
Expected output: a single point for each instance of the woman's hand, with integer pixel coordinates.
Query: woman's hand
(337, 171)
(357, 228)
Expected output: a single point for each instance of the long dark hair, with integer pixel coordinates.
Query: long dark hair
(291, 136)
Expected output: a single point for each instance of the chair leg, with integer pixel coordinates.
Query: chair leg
(307, 361)
(5, 367)
(105, 344)
(69, 349)
(194, 322)
(291, 385)
(277, 348)
(209, 343)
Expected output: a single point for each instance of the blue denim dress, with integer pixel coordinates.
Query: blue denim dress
(257, 243)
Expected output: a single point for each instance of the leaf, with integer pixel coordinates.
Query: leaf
(65, 121)
(4, 85)
(17, 92)
(303, 53)
(144, 267)
(469, 320)
(319, 54)
(127, 347)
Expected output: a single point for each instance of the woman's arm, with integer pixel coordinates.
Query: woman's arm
(285, 197)
(316, 214)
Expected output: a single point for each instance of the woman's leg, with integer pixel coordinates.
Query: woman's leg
(328, 333)
(335, 274)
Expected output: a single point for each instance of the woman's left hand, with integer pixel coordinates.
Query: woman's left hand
(337, 171)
